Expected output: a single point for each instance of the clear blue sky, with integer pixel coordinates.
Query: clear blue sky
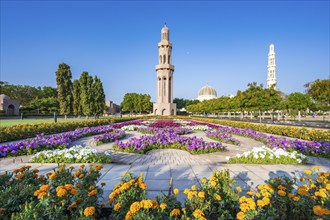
(224, 44)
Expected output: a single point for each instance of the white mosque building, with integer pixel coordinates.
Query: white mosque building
(206, 93)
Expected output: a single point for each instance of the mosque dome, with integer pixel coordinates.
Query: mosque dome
(207, 92)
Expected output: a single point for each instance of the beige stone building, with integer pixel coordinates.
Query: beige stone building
(10, 106)
(111, 108)
(164, 104)
(206, 93)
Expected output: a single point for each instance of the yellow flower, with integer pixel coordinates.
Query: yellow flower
(217, 197)
(204, 181)
(147, 204)
(45, 187)
(239, 189)
(163, 206)
(89, 211)
(198, 213)
(302, 190)
(240, 215)
(213, 183)
(142, 185)
(116, 207)
(308, 172)
(281, 193)
(260, 203)
(258, 195)
(316, 168)
(92, 193)
(175, 212)
(68, 186)
(327, 186)
(52, 176)
(42, 195)
(296, 198)
(318, 210)
(201, 195)
(186, 191)
(135, 207)
(249, 193)
(280, 187)
(193, 187)
(176, 191)
(190, 195)
(61, 192)
(302, 179)
(290, 195)
(81, 176)
(129, 215)
(36, 193)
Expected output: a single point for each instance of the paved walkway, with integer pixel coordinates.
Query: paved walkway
(159, 166)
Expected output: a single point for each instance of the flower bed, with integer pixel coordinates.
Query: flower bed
(222, 136)
(63, 194)
(18, 132)
(301, 133)
(59, 195)
(167, 138)
(312, 148)
(109, 136)
(265, 155)
(42, 142)
(76, 154)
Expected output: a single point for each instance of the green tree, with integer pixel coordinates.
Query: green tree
(64, 88)
(128, 103)
(99, 96)
(319, 90)
(86, 95)
(76, 98)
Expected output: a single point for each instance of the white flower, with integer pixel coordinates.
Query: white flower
(227, 158)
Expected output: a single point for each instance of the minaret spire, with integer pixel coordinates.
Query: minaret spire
(271, 73)
(164, 104)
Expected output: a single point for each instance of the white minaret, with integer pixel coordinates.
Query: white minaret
(271, 79)
(164, 104)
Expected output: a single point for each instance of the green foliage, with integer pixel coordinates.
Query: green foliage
(77, 109)
(99, 96)
(299, 101)
(319, 90)
(134, 102)
(64, 88)
(42, 105)
(87, 94)
(25, 94)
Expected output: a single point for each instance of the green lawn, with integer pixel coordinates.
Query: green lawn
(11, 122)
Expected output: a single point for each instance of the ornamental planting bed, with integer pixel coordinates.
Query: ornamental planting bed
(67, 194)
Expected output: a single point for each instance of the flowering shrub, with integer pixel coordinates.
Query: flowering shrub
(265, 155)
(10, 133)
(109, 136)
(216, 199)
(222, 136)
(125, 193)
(76, 154)
(59, 195)
(282, 198)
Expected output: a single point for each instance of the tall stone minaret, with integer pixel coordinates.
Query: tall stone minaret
(271, 79)
(164, 104)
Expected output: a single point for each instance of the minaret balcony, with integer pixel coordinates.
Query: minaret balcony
(165, 66)
(164, 43)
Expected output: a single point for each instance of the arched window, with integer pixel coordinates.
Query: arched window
(160, 58)
(164, 79)
(159, 86)
(169, 58)
(164, 57)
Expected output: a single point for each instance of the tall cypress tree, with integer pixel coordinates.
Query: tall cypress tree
(99, 96)
(76, 98)
(86, 95)
(64, 88)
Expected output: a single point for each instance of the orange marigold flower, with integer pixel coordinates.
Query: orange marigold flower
(68, 187)
(91, 187)
(20, 176)
(89, 211)
(74, 191)
(61, 192)
(175, 212)
(92, 193)
(116, 207)
(45, 187)
(98, 167)
(163, 206)
(41, 195)
(81, 176)
(240, 215)
(73, 205)
(35, 171)
(36, 193)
